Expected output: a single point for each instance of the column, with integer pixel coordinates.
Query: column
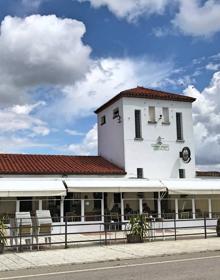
(40, 204)
(141, 205)
(193, 209)
(159, 206)
(102, 208)
(176, 209)
(61, 209)
(17, 205)
(122, 210)
(210, 208)
(82, 210)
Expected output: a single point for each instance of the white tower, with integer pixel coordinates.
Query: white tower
(149, 133)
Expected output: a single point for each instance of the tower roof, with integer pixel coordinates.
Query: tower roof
(141, 92)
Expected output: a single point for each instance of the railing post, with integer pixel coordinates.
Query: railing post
(20, 237)
(205, 227)
(175, 227)
(105, 228)
(66, 241)
(142, 228)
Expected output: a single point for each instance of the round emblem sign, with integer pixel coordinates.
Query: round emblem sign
(186, 154)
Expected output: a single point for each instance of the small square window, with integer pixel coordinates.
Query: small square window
(151, 114)
(103, 120)
(115, 113)
(140, 173)
(165, 112)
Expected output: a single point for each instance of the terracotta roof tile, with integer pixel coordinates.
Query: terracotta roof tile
(141, 92)
(56, 164)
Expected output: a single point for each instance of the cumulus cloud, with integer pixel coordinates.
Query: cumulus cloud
(107, 77)
(131, 9)
(198, 18)
(88, 145)
(19, 118)
(207, 122)
(40, 50)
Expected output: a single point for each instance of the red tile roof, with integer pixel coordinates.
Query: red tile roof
(56, 164)
(141, 92)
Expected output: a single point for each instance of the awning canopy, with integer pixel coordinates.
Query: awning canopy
(31, 187)
(193, 186)
(113, 185)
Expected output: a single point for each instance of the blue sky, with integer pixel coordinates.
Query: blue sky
(61, 59)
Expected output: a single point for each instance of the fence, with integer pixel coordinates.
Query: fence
(23, 236)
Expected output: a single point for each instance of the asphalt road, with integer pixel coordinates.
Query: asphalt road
(191, 266)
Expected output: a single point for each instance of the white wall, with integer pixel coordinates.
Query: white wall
(133, 154)
(110, 135)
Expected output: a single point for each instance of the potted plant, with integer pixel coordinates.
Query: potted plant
(3, 238)
(137, 229)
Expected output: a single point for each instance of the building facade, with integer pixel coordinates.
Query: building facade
(145, 164)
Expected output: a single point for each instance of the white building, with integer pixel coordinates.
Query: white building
(146, 157)
(146, 130)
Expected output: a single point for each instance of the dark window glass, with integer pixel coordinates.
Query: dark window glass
(137, 123)
(140, 173)
(117, 198)
(179, 128)
(115, 113)
(103, 120)
(181, 173)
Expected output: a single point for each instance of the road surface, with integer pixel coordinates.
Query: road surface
(191, 266)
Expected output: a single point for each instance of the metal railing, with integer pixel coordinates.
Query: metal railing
(21, 236)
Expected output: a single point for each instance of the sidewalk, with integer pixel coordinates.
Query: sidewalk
(14, 261)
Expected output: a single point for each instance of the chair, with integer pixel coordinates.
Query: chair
(24, 227)
(43, 226)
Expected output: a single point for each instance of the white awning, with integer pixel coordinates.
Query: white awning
(113, 185)
(193, 186)
(31, 187)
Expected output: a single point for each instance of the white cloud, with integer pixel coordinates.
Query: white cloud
(15, 144)
(106, 78)
(207, 122)
(73, 132)
(131, 9)
(18, 118)
(31, 5)
(40, 50)
(197, 18)
(88, 145)
(212, 66)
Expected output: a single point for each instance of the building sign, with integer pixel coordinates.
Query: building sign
(185, 154)
(160, 147)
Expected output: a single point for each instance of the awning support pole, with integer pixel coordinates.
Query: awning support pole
(141, 205)
(176, 209)
(102, 208)
(40, 204)
(61, 209)
(193, 208)
(159, 206)
(17, 205)
(122, 209)
(210, 208)
(82, 210)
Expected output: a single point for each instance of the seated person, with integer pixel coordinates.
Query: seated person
(146, 208)
(127, 211)
(116, 208)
